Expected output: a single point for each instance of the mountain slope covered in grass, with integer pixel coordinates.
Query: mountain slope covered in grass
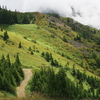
(55, 42)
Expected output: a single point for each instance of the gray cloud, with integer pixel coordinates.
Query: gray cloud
(86, 11)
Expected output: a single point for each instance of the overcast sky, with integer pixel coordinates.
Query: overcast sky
(89, 10)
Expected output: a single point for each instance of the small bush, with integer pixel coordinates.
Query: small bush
(34, 41)
(25, 37)
(32, 53)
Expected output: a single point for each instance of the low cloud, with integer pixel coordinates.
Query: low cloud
(86, 11)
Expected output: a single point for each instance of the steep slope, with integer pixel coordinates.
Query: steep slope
(11, 47)
(50, 35)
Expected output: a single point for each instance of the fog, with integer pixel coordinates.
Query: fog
(87, 11)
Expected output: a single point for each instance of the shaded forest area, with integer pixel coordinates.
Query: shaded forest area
(9, 17)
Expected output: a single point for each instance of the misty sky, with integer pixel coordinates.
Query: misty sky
(86, 11)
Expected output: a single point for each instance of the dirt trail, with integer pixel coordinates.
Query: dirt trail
(21, 88)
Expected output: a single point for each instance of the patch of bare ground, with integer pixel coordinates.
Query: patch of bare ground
(21, 88)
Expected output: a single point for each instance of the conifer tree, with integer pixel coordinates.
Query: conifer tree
(52, 62)
(32, 53)
(25, 19)
(47, 56)
(17, 60)
(8, 60)
(15, 17)
(20, 45)
(51, 82)
(17, 76)
(13, 81)
(29, 48)
(10, 76)
(61, 80)
(34, 82)
(5, 37)
(74, 71)
(42, 54)
(2, 58)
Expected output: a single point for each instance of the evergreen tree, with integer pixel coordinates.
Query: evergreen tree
(34, 82)
(2, 58)
(29, 48)
(5, 37)
(58, 85)
(52, 62)
(61, 82)
(47, 56)
(16, 76)
(15, 17)
(25, 19)
(8, 61)
(32, 53)
(10, 74)
(20, 45)
(13, 81)
(17, 60)
(74, 71)
(42, 54)
(8, 87)
(51, 82)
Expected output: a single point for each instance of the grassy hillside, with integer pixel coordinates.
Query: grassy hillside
(39, 40)
(56, 36)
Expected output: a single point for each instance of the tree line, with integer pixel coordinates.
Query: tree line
(11, 74)
(58, 85)
(9, 17)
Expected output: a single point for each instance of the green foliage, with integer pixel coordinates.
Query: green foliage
(47, 82)
(17, 60)
(77, 38)
(32, 53)
(25, 20)
(54, 15)
(58, 85)
(54, 44)
(92, 81)
(29, 48)
(5, 37)
(10, 75)
(65, 39)
(48, 57)
(93, 59)
(9, 17)
(85, 31)
(92, 62)
(20, 45)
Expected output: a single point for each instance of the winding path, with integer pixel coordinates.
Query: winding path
(21, 88)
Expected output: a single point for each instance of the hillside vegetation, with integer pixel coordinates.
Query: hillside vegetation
(58, 45)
